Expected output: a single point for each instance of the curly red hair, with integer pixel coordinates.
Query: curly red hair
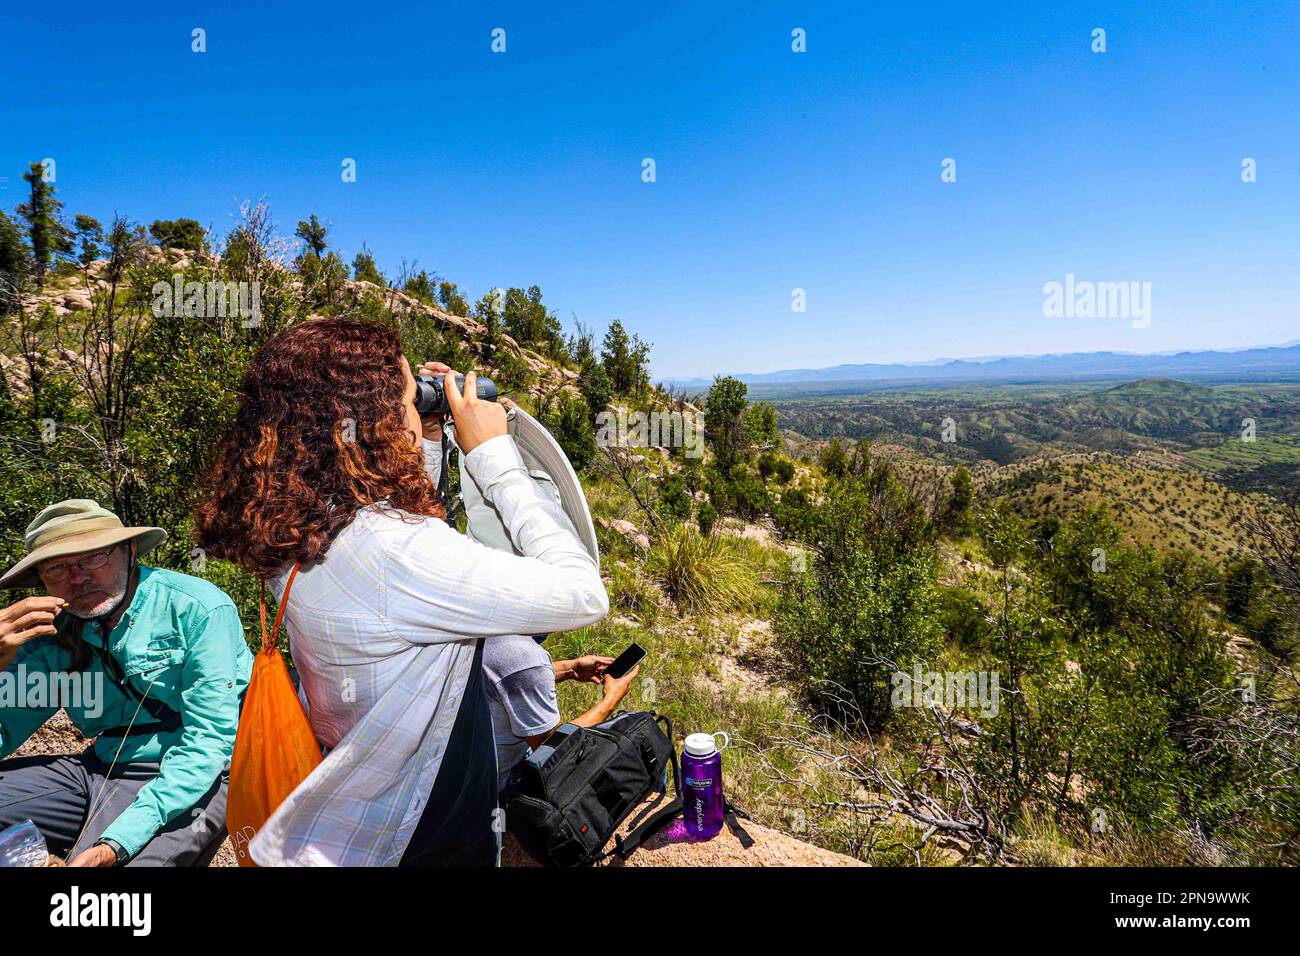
(320, 435)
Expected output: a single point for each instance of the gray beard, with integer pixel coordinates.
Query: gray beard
(100, 609)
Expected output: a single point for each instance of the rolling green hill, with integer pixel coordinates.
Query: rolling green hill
(1160, 507)
(1192, 425)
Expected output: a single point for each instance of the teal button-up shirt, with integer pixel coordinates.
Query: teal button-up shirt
(180, 642)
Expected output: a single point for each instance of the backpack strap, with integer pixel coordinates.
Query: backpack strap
(672, 756)
(271, 640)
(443, 491)
(730, 813)
(625, 845)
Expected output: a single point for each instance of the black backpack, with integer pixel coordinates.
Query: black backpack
(578, 787)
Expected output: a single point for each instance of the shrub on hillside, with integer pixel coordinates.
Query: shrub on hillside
(957, 509)
(834, 459)
(570, 424)
(179, 234)
(749, 495)
(673, 502)
(1241, 579)
(594, 383)
(775, 467)
(867, 603)
(701, 572)
(706, 515)
(322, 278)
(514, 375)
(795, 514)
(963, 618)
(1105, 657)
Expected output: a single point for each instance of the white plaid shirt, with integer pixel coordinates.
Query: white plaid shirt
(382, 632)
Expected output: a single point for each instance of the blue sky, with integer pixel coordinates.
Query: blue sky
(775, 170)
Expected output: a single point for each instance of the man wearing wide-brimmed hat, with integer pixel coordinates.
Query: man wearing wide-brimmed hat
(151, 662)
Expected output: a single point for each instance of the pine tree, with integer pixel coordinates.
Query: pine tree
(312, 231)
(624, 358)
(179, 234)
(48, 236)
(485, 311)
(760, 423)
(451, 300)
(724, 409)
(957, 512)
(90, 233)
(365, 270)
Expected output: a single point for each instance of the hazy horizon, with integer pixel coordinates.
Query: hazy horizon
(982, 359)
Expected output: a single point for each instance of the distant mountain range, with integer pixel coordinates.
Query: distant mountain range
(1274, 363)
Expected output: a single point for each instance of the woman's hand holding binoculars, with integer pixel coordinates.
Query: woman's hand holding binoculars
(432, 424)
(476, 420)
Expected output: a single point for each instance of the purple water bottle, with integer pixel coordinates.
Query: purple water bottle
(702, 784)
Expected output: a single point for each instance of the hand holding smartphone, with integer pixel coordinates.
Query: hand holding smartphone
(626, 661)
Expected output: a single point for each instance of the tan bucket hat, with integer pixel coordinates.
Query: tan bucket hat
(71, 527)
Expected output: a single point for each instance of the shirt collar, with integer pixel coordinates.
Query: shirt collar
(90, 628)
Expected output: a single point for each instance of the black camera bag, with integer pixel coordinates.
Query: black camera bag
(578, 787)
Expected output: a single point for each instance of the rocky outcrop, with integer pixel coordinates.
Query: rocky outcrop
(77, 300)
(549, 379)
(671, 846)
(628, 530)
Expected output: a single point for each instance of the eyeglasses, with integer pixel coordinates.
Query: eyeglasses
(91, 562)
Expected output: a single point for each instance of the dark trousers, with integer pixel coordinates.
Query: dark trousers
(73, 798)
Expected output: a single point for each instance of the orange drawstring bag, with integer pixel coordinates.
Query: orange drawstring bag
(275, 748)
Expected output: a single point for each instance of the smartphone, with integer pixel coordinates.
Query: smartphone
(626, 661)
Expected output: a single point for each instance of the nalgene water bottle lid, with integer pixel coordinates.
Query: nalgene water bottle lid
(703, 745)
(700, 745)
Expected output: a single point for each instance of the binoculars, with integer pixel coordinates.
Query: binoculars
(431, 397)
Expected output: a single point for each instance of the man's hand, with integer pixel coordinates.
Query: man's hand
(588, 669)
(616, 689)
(98, 855)
(27, 620)
(433, 423)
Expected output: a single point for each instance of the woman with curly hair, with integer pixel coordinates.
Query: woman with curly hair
(328, 468)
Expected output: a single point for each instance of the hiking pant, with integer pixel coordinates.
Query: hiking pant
(67, 794)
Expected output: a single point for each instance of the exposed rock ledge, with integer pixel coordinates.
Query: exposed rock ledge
(672, 847)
